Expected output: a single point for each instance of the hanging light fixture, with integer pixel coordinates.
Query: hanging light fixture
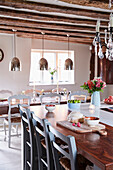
(15, 64)
(68, 62)
(108, 44)
(43, 62)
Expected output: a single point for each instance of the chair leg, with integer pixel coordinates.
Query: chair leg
(4, 126)
(9, 139)
(17, 129)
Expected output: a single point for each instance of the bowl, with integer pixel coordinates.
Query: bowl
(92, 121)
(50, 108)
(74, 106)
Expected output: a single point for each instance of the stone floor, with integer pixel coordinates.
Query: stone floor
(10, 158)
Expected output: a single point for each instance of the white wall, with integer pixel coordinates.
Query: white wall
(14, 81)
(18, 81)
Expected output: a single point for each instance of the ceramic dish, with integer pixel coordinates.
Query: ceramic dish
(73, 106)
(92, 121)
(50, 108)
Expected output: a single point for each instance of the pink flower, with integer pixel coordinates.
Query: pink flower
(98, 85)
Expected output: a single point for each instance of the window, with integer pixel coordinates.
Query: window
(56, 59)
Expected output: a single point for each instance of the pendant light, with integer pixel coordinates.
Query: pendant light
(43, 62)
(68, 62)
(15, 64)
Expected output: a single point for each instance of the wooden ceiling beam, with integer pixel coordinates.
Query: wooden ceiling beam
(49, 31)
(89, 3)
(34, 24)
(45, 17)
(48, 34)
(48, 37)
(54, 8)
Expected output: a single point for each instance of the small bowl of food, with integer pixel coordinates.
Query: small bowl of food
(74, 104)
(50, 108)
(92, 121)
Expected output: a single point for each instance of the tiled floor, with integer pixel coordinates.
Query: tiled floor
(10, 158)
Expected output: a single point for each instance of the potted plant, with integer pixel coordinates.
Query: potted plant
(94, 87)
(52, 72)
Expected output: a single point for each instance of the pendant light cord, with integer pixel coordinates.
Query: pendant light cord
(14, 43)
(68, 44)
(43, 44)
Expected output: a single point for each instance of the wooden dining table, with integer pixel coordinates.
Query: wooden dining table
(96, 148)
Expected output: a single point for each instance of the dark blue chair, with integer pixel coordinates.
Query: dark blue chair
(30, 161)
(44, 152)
(64, 157)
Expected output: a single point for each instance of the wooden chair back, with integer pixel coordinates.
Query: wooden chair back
(52, 98)
(29, 143)
(80, 95)
(42, 135)
(70, 153)
(15, 100)
(5, 93)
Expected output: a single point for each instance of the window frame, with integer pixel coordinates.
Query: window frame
(71, 52)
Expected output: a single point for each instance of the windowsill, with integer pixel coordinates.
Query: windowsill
(49, 84)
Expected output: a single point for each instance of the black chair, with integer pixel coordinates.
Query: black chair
(29, 145)
(44, 152)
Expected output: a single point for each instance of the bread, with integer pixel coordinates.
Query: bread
(75, 117)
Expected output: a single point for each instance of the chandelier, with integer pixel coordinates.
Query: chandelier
(108, 44)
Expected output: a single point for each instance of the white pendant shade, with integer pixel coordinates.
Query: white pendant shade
(68, 62)
(15, 64)
(43, 62)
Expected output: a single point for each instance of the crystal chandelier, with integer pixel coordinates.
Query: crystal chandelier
(108, 44)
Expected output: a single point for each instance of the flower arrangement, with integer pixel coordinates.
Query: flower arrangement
(52, 71)
(94, 85)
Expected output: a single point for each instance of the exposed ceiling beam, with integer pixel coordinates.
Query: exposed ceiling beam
(48, 37)
(49, 31)
(44, 17)
(38, 24)
(89, 3)
(54, 8)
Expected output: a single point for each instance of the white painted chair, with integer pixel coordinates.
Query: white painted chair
(15, 119)
(4, 94)
(51, 98)
(60, 90)
(79, 95)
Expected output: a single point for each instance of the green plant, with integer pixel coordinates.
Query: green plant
(52, 71)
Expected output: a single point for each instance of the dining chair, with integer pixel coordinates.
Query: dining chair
(30, 161)
(44, 152)
(64, 90)
(30, 92)
(14, 119)
(52, 98)
(80, 95)
(4, 94)
(68, 156)
(65, 151)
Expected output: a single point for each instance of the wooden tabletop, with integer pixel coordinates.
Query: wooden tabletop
(98, 149)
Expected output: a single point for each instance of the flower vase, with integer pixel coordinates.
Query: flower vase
(51, 78)
(95, 98)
